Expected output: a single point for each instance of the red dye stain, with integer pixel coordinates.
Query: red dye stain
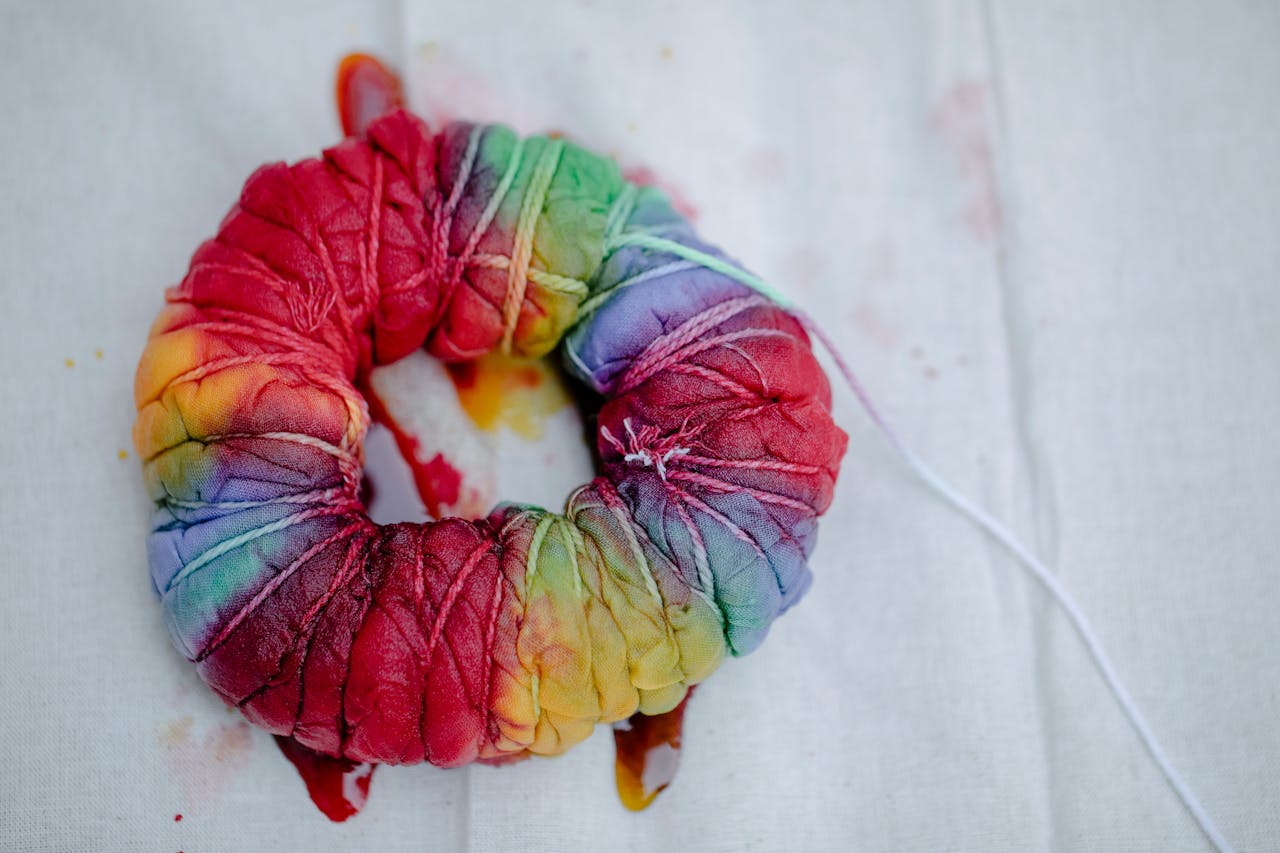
(648, 754)
(528, 377)
(463, 373)
(438, 482)
(960, 118)
(338, 786)
(467, 374)
(177, 818)
(365, 90)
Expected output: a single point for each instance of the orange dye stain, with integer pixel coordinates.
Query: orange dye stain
(648, 754)
(501, 391)
(365, 90)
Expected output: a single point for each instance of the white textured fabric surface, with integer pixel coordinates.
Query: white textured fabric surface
(1046, 237)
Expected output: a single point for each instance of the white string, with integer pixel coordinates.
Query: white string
(975, 514)
(1050, 581)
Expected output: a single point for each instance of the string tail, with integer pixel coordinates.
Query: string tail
(975, 514)
(1060, 594)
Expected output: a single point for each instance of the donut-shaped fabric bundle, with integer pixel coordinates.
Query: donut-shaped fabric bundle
(461, 640)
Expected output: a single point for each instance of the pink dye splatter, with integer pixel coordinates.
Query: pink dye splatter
(446, 87)
(645, 176)
(874, 326)
(960, 117)
(803, 267)
(764, 164)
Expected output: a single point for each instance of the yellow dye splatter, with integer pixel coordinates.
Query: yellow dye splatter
(176, 732)
(666, 53)
(70, 362)
(123, 454)
(98, 353)
(519, 394)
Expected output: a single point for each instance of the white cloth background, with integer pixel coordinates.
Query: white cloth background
(1046, 237)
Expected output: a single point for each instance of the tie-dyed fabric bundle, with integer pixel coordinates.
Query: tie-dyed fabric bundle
(459, 640)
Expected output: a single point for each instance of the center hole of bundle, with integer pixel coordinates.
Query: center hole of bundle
(455, 439)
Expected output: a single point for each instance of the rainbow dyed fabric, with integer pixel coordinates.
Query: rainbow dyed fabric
(461, 640)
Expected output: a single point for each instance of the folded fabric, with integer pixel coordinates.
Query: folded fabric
(461, 640)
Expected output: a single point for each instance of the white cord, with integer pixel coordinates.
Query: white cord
(1050, 581)
(975, 514)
